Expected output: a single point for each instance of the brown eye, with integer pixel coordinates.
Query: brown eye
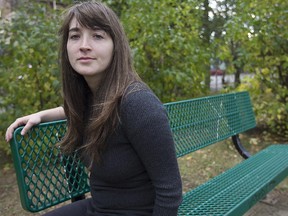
(74, 37)
(98, 36)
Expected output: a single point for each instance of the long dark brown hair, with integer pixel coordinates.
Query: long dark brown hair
(92, 118)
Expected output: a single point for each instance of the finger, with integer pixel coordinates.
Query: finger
(27, 127)
(9, 134)
(17, 123)
(12, 127)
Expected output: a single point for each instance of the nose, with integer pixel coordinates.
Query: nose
(85, 45)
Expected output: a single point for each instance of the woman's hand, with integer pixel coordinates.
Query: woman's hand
(34, 119)
(29, 121)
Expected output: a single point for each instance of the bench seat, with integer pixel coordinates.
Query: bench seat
(46, 178)
(236, 190)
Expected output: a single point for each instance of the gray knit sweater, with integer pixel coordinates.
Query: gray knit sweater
(139, 173)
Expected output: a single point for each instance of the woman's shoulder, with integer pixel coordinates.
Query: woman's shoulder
(136, 86)
(139, 92)
(140, 104)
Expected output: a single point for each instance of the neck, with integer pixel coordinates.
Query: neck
(93, 83)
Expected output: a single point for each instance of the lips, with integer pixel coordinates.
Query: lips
(85, 58)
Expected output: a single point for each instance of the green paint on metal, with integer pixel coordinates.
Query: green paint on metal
(46, 177)
(197, 123)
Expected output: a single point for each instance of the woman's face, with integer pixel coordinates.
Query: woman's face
(89, 51)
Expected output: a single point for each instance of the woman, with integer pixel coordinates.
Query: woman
(114, 120)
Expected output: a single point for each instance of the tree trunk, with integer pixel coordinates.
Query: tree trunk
(237, 79)
(6, 7)
(206, 37)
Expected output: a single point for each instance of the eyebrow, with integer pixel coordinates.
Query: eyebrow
(77, 29)
(97, 28)
(74, 29)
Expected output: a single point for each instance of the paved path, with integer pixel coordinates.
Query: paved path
(216, 81)
(275, 204)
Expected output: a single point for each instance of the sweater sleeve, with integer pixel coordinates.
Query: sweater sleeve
(146, 125)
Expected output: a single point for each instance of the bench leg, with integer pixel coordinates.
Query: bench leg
(240, 148)
(81, 197)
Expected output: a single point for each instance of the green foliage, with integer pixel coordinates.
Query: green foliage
(256, 41)
(167, 50)
(172, 43)
(29, 73)
(271, 111)
(268, 53)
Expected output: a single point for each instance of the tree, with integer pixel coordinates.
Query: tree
(29, 73)
(227, 41)
(6, 7)
(269, 51)
(164, 36)
(260, 28)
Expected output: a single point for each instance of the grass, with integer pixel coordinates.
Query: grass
(200, 166)
(196, 168)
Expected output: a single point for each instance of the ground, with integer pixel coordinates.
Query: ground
(275, 204)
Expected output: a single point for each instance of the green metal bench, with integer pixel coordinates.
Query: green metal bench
(47, 178)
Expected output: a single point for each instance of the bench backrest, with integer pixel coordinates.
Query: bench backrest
(200, 122)
(45, 177)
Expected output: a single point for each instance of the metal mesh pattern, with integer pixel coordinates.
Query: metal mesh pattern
(238, 189)
(198, 123)
(45, 176)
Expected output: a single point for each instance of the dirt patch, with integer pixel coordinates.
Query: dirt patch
(10, 204)
(9, 195)
(208, 164)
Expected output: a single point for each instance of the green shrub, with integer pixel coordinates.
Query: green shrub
(270, 104)
(29, 73)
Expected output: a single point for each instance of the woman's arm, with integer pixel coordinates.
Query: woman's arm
(34, 119)
(147, 127)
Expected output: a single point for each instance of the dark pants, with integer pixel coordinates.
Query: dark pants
(79, 208)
